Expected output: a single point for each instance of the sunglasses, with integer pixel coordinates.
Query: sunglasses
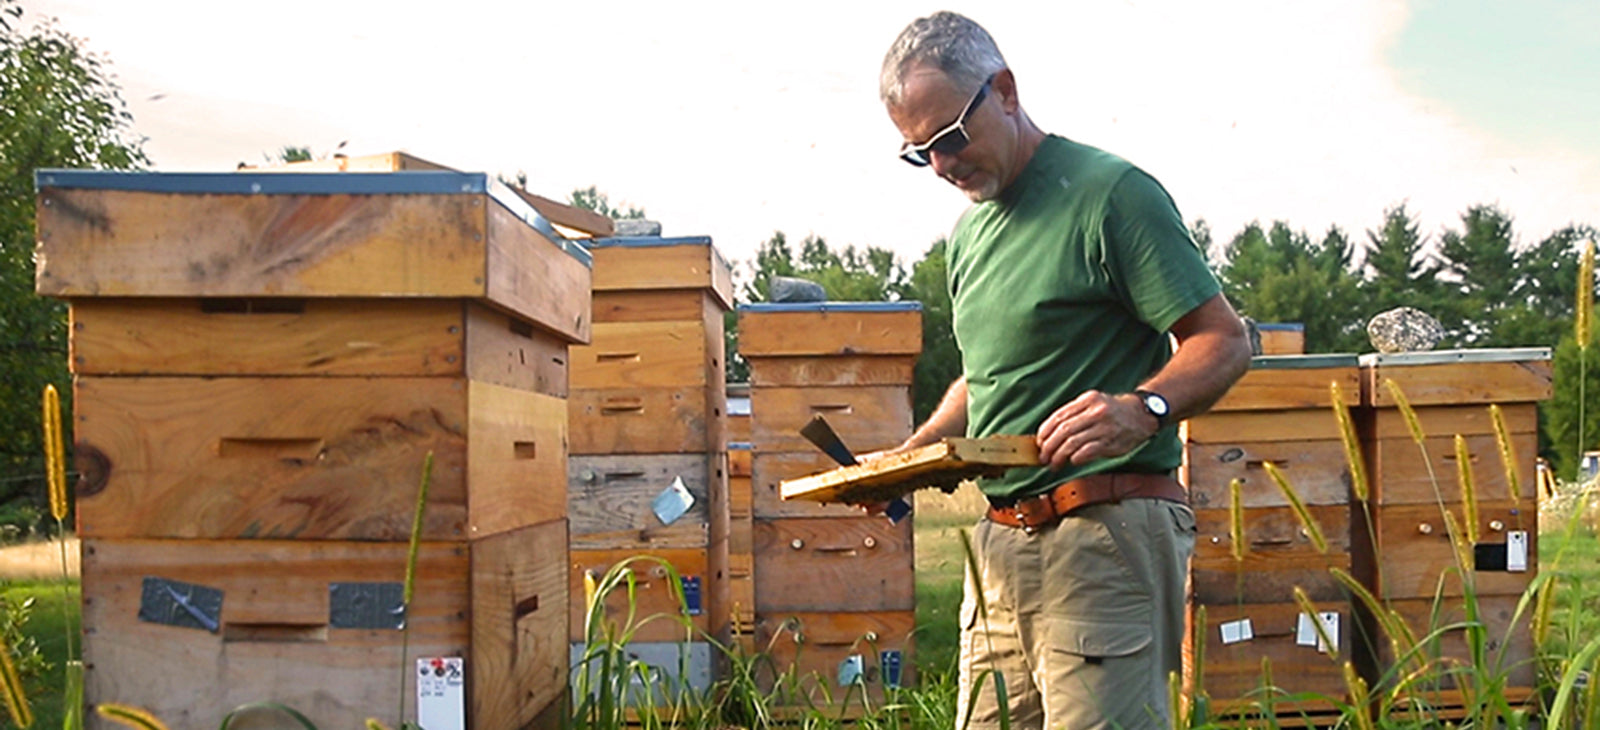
(949, 141)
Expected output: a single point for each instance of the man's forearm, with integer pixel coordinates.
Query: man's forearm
(949, 419)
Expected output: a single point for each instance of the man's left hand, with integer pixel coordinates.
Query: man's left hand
(1094, 426)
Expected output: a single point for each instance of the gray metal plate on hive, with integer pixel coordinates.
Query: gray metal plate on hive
(1445, 357)
(1303, 362)
(175, 603)
(366, 606)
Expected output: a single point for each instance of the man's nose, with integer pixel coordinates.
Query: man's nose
(942, 161)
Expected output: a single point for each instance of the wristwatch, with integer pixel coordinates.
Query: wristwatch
(1155, 405)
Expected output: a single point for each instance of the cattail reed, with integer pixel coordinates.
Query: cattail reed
(1469, 492)
(129, 716)
(1352, 446)
(16, 696)
(1508, 455)
(1236, 519)
(1310, 609)
(55, 454)
(1313, 529)
(1404, 404)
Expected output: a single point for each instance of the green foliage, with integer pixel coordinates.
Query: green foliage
(293, 154)
(851, 275)
(1561, 412)
(62, 109)
(940, 362)
(591, 198)
(1281, 275)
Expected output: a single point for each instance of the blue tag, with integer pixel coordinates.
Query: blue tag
(897, 510)
(889, 664)
(691, 594)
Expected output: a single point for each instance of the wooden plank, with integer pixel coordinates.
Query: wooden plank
(740, 462)
(640, 421)
(505, 350)
(609, 501)
(189, 336)
(516, 460)
(815, 644)
(274, 639)
(1415, 558)
(833, 370)
(1459, 383)
(534, 278)
(867, 418)
(944, 465)
(671, 266)
(303, 458)
(1317, 424)
(1291, 388)
(830, 332)
(1282, 341)
(1318, 471)
(572, 217)
(860, 564)
(1509, 646)
(1234, 670)
(652, 305)
(646, 355)
(126, 243)
(1399, 472)
(1469, 420)
(519, 599)
(658, 614)
(1280, 555)
(770, 469)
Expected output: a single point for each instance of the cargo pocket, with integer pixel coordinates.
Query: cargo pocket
(1097, 640)
(1102, 672)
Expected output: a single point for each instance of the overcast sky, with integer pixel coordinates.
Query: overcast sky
(739, 119)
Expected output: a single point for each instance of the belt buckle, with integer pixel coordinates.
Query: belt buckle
(1022, 519)
(1030, 510)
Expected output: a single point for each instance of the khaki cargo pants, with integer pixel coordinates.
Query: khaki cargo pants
(1084, 620)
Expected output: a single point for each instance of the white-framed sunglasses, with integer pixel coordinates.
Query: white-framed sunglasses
(952, 139)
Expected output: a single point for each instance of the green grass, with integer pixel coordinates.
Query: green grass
(45, 626)
(939, 569)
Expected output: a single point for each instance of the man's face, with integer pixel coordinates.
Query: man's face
(931, 104)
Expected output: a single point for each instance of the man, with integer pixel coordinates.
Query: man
(1066, 277)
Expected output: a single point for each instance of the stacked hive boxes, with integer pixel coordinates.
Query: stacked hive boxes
(738, 551)
(262, 362)
(648, 472)
(834, 594)
(1278, 413)
(1407, 557)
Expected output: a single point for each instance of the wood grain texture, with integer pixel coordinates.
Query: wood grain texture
(827, 565)
(1414, 556)
(505, 350)
(1280, 555)
(1509, 645)
(530, 276)
(516, 458)
(609, 500)
(1318, 471)
(1234, 670)
(658, 612)
(518, 664)
(96, 243)
(1283, 342)
(944, 465)
(740, 462)
(1468, 420)
(769, 469)
(652, 305)
(681, 266)
(1316, 424)
(303, 458)
(833, 370)
(1458, 383)
(335, 676)
(641, 421)
(866, 418)
(646, 355)
(781, 334)
(561, 214)
(1399, 471)
(814, 644)
(1290, 389)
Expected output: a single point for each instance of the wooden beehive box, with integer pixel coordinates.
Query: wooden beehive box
(1282, 338)
(308, 624)
(829, 651)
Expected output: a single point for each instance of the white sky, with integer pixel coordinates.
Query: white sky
(738, 119)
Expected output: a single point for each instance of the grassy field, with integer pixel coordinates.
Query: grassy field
(48, 626)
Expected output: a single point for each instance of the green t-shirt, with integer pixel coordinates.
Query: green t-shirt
(1068, 282)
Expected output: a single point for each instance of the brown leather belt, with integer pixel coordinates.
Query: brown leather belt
(1037, 512)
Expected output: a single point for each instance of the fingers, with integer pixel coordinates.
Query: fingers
(1092, 426)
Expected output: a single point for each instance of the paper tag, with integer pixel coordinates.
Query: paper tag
(850, 670)
(672, 502)
(1306, 632)
(441, 700)
(1234, 632)
(1517, 551)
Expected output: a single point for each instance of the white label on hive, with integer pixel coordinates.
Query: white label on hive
(441, 701)
(1306, 632)
(1234, 632)
(1517, 551)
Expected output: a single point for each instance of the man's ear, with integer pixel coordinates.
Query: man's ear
(1005, 86)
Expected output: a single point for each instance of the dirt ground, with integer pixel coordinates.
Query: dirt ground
(35, 560)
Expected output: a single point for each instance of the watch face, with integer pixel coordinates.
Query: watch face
(1156, 405)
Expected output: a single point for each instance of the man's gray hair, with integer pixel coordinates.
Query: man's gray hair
(947, 41)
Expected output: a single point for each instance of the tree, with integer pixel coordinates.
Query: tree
(1396, 272)
(591, 198)
(62, 109)
(940, 361)
(1280, 275)
(1479, 262)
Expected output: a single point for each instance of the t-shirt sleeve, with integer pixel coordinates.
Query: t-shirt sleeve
(1160, 272)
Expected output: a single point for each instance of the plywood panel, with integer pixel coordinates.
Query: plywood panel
(610, 498)
(535, 278)
(646, 355)
(891, 331)
(518, 618)
(825, 565)
(658, 612)
(1291, 388)
(516, 458)
(866, 418)
(1318, 471)
(1459, 383)
(833, 370)
(1399, 472)
(1415, 557)
(641, 421)
(274, 640)
(303, 458)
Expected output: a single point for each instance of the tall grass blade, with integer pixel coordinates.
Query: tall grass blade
(1585, 333)
(1310, 609)
(411, 577)
(1404, 404)
(55, 457)
(72, 697)
(11, 685)
(1508, 455)
(1401, 641)
(1236, 520)
(1469, 490)
(1569, 678)
(1543, 609)
(1352, 445)
(1359, 699)
(130, 716)
(1313, 528)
